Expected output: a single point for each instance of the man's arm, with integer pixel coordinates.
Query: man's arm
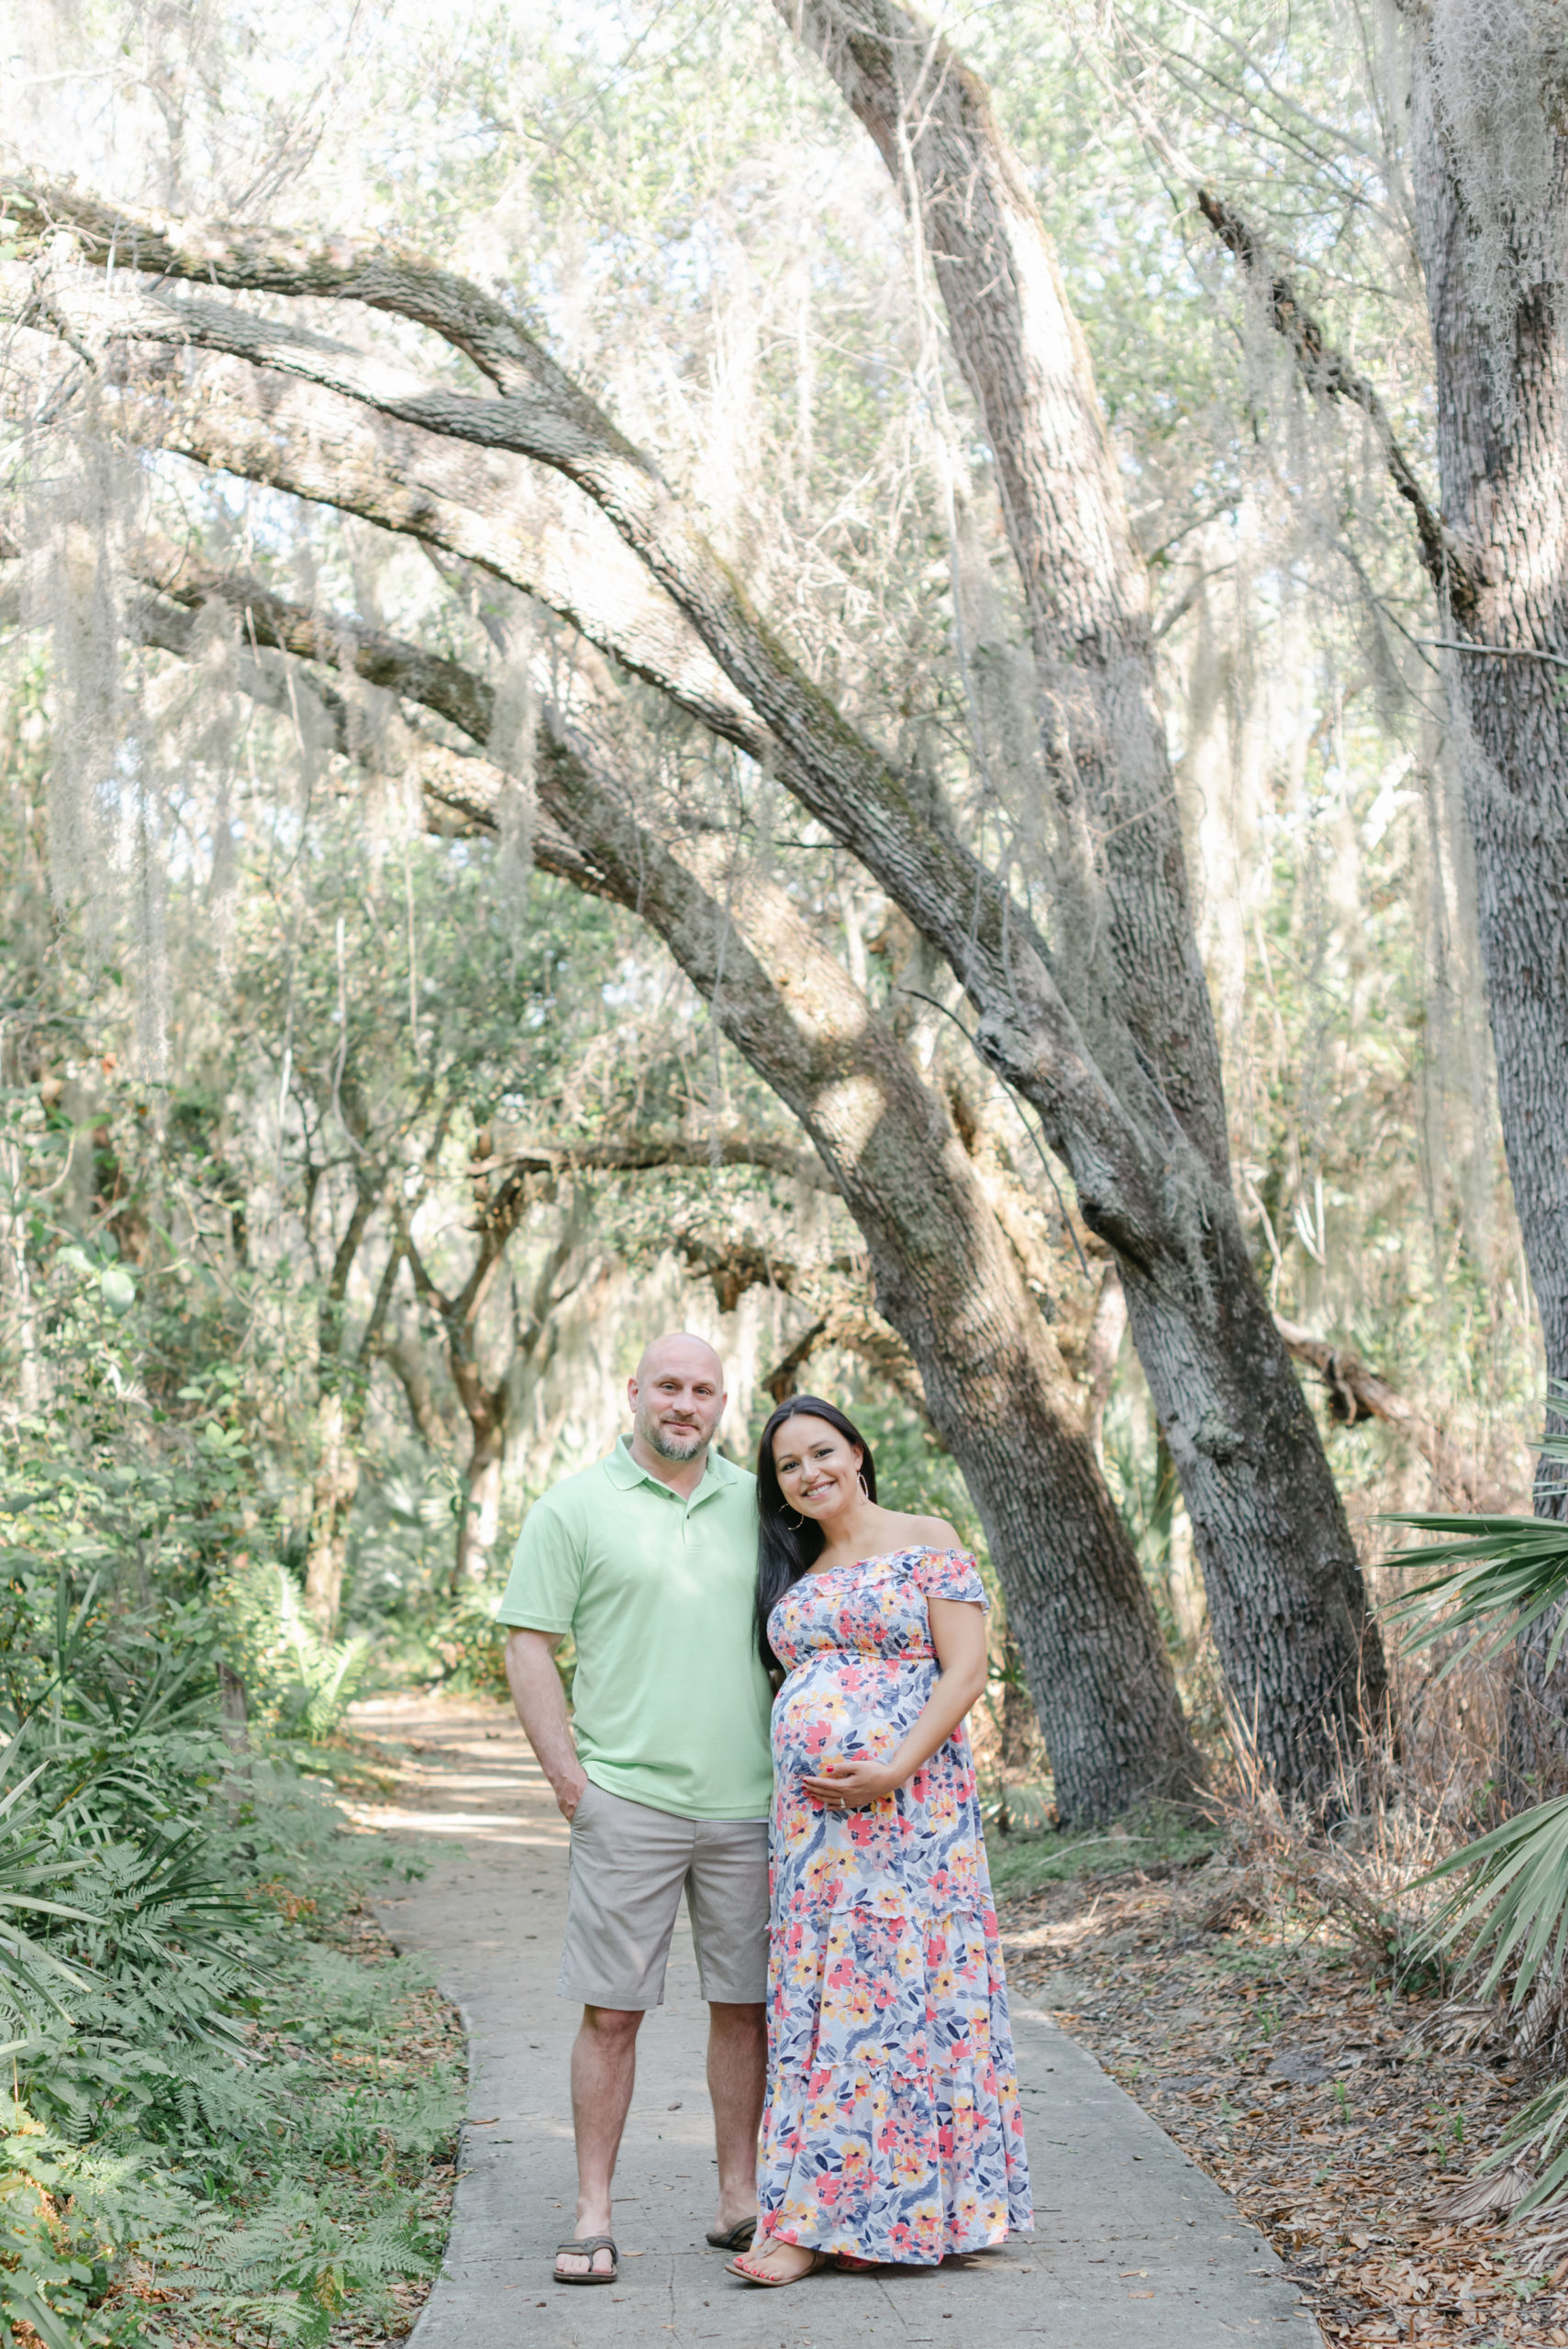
(540, 1701)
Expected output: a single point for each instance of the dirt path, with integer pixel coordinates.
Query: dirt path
(1134, 2246)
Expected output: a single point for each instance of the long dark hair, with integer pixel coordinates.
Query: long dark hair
(787, 1548)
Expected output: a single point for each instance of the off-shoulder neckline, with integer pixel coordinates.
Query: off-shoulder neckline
(880, 1557)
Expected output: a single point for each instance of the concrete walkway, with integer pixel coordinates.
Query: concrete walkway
(1133, 2244)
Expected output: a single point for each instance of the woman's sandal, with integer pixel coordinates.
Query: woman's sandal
(586, 2249)
(775, 2283)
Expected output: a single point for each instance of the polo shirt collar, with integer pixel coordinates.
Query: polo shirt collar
(622, 1470)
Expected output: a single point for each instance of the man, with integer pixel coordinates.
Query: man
(649, 1559)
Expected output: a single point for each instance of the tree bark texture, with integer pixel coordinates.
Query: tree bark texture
(332, 1492)
(1085, 588)
(479, 1526)
(1285, 1596)
(1502, 453)
(1501, 362)
(1286, 1599)
(339, 1411)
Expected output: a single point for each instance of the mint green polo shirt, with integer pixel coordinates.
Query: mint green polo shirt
(671, 1705)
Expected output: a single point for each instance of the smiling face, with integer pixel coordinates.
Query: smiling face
(818, 1470)
(677, 1397)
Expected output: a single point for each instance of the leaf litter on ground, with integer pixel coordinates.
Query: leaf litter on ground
(1344, 2115)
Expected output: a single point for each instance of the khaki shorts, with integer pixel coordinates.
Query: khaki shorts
(629, 1866)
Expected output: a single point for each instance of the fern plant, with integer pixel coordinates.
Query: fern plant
(204, 2130)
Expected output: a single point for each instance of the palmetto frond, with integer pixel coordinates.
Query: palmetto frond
(31, 1875)
(1500, 1574)
(1516, 1902)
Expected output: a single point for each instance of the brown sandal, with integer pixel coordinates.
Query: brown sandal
(588, 2247)
(775, 2283)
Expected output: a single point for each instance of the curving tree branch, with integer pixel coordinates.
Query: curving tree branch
(882, 817)
(1329, 375)
(1356, 1392)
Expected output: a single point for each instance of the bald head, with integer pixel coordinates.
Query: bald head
(677, 1400)
(681, 1348)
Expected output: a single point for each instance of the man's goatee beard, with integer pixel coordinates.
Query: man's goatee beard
(668, 1449)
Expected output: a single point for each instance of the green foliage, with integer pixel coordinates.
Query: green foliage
(1509, 1919)
(1503, 1574)
(1540, 2135)
(215, 2098)
(297, 1683)
(199, 2090)
(1514, 1910)
(471, 1645)
(54, 2254)
(33, 1873)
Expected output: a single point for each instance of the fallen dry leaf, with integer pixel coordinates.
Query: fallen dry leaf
(1328, 2105)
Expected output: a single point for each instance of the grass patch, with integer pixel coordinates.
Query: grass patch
(1157, 1842)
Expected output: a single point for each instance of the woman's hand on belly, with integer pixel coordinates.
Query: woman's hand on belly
(850, 1786)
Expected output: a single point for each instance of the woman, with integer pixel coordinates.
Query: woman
(891, 2129)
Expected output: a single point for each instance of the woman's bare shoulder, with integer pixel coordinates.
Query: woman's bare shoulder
(929, 1532)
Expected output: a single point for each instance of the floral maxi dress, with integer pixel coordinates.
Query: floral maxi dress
(891, 2129)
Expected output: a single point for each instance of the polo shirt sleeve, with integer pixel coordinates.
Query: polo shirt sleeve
(542, 1589)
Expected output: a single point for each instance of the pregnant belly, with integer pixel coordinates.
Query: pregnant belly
(840, 1711)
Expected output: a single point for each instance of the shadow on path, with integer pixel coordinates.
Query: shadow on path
(1133, 2244)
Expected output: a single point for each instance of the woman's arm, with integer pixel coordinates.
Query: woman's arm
(958, 1635)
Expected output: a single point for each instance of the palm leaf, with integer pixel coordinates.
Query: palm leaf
(1516, 1900)
(1499, 1574)
(1537, 2134)
(29, 1873)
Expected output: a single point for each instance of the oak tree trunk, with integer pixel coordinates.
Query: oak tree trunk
(1286, 1599)
(1497, 299)
(1503, 451)
(479, 1502)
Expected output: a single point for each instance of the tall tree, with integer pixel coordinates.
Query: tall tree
(1490, 167)
(1489, 173)
(1286, 1592)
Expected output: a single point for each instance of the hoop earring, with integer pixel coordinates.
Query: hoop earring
(799, 1520)
(861, 1481)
